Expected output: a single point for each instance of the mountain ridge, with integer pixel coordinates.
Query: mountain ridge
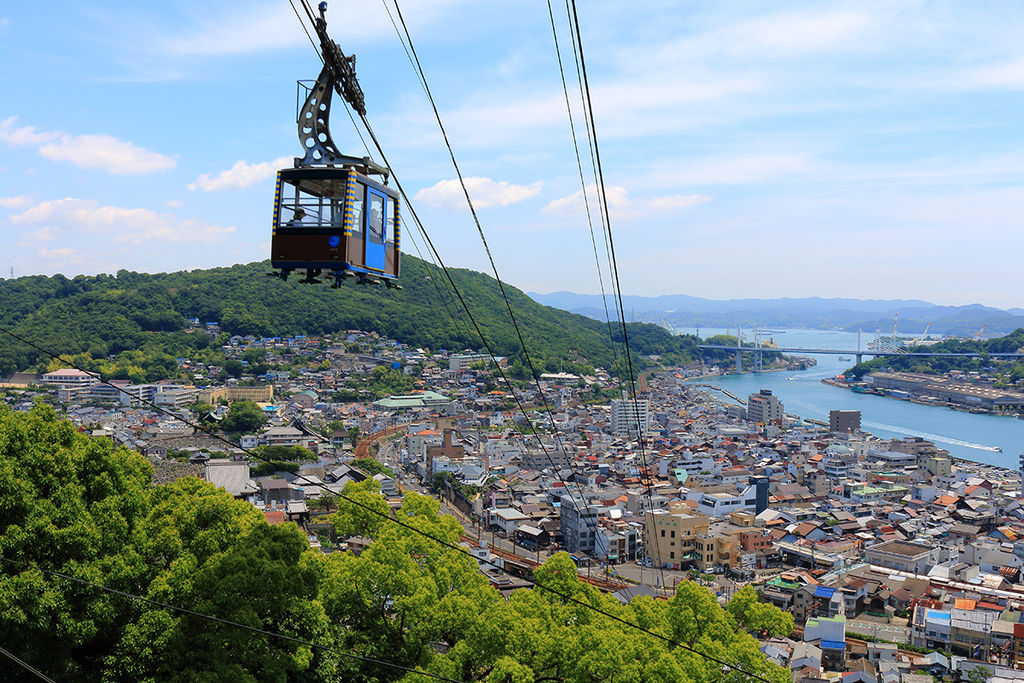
(681, 310)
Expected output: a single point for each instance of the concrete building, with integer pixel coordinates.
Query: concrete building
(765, 408)
(903, 555)
(715, 553)
(69, 378)
(672, 535)
(845, 421)
(721, 503)
(579, 525)
(630, 417)
(463, 361)
(260, 394)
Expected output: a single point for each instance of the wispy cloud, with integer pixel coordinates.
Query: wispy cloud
(484, 192)
(622, 205)
(103, 152)
(1008, 75)
(239, 176)
(61, 253)
(133, 226)
(19, 202)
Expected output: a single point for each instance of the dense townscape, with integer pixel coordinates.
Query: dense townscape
(896, 561)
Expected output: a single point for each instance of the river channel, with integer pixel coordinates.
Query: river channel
(964, 435)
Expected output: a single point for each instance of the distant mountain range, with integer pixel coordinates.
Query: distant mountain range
(680, 310)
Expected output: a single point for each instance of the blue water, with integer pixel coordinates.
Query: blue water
(963, 434)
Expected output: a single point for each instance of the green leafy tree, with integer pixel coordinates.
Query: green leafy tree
(371, 466)
(244, 416)
(69, 504)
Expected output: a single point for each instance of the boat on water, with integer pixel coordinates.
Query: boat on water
(845, 358)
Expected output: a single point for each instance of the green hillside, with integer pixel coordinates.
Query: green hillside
(142, 318)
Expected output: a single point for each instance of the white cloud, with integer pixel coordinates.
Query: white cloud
(15, 202)
(26, 135)
(87, 151)
(34, 237)
(173, 203)
(120, 224)
(621, 205)
(483, 191)
(60, 253)
(247, 31)
(239, 176)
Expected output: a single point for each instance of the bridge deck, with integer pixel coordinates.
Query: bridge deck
(863, 352)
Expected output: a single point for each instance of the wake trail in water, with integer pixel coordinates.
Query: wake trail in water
(933, 437)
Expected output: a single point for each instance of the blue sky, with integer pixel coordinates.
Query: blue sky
(750, 149)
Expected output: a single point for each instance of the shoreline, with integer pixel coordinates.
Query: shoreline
(841, 384)
(974, 464)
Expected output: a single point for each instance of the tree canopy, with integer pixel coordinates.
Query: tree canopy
(141, 320)
(79, 506)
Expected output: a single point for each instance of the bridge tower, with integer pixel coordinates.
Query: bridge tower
(739, 350)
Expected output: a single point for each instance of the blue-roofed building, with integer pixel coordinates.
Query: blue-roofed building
(831, 632)
(833, 654)
(817, 601)
(931, 628)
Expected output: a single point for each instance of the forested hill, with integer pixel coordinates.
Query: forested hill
(107, 315)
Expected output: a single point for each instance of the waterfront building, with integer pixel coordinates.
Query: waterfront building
(845, 421)
(765, 408)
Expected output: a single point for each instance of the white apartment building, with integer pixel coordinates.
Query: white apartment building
(630, 416)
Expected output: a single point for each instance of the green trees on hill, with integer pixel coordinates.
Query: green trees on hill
(1008, 372)
(77, 506)
(144, 314)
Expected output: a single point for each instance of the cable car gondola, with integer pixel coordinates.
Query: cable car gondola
(334, 213)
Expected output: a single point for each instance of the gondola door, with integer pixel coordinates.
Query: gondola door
(376, 220)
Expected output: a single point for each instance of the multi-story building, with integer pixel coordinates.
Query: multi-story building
(175, 395)
(70, 378)
(721, 503)
(835, 467)
(579, 525)
(717, 552)
(462, 361)
(630, 416)
(764, 407)
(617, 544)
(845, 421)
(816, 601)
(258, 394)
(672, 535)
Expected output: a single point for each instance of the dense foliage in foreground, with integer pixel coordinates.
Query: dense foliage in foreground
(140, 319)
(77, 506)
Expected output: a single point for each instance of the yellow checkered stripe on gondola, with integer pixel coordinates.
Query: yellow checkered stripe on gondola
(398, 224)
(277, 204)
(350, 200)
